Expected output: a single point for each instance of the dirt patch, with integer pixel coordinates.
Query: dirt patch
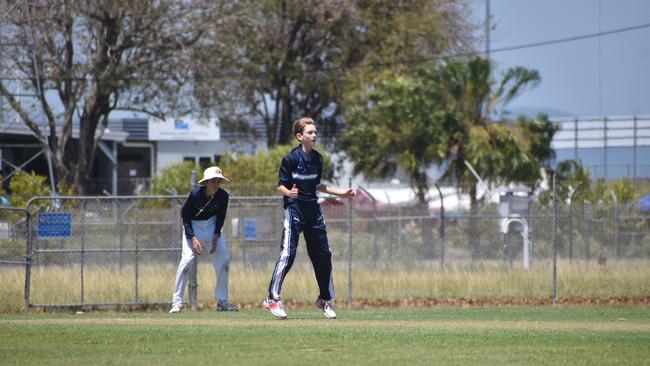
(375, 303)
(466, 302)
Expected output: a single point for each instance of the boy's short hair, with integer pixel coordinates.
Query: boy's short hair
(300, 124)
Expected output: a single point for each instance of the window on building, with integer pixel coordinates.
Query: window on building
(205, 161)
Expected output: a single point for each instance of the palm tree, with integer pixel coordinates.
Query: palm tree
(499, 152)
(401, 123)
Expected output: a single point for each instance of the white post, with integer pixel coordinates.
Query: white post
(526, 256)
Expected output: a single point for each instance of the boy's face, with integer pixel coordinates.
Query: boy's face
(213, 183)
(308, 136)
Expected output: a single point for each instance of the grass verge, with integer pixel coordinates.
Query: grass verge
(595, 335)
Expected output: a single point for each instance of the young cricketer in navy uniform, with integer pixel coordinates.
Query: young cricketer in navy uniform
(300, 175)
(204, 213)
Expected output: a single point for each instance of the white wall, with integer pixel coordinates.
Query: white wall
(172, 152)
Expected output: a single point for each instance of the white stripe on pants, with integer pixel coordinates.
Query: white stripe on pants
(204, 231)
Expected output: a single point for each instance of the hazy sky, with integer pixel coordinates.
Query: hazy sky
(607, 75)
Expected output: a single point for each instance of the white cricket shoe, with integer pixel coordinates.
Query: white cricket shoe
(326, 306)
(176, 308)
(276, 307)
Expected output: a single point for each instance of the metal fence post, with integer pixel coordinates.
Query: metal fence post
(137, 252)
(586, 211)
(615, 225)
(193, 283)
(554, 239)
(83, 242)
(350, 248)
(240, 225)
(120, 223)
(28, 262)
(531, 236)
(509, 248)
(634, 148)
(399, 230)
(570, 231)
(441, 232)
(375, 229)
(605, 147)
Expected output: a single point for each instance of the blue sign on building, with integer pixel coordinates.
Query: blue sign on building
(250, 230)
(54, 225)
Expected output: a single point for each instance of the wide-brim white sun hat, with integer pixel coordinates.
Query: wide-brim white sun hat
(212, 172)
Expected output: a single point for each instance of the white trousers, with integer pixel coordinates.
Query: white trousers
(204, 231)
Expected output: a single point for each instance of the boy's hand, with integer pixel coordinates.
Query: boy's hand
(349, 193)
(293, 193)
(196, 246)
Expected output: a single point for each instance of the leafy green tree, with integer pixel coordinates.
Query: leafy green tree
(401, 123)
(250, 175)
(498, 152)
(418, 120)
(294, 57)
(85, 59)
(174, 180)
(25, 186)
(623, 188)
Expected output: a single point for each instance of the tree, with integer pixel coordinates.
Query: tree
(414, 121)
(294, 57)
(419, 120)
(83, 60)
(402, 123)
(499, 153)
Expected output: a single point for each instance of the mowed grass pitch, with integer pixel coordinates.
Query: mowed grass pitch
(592, 335)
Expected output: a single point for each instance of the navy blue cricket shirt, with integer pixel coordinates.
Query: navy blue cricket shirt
(303, 171)
(200, 207)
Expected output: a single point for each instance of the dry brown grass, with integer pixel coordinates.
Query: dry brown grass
(61, 285)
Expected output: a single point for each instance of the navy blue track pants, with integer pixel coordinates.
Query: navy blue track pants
(304, 217)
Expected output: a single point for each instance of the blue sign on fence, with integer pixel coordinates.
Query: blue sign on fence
(250, 230)
(54, 225)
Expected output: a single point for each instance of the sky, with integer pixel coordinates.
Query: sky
(606, 75)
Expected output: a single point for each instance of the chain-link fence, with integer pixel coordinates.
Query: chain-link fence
(91, 251)
(15, 249)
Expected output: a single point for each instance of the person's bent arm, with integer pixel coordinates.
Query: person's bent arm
(291, 193)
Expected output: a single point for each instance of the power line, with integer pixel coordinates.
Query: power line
(571, 39)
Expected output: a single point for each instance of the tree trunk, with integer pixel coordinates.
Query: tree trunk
(86, 157)
(286, 122)
(97, 106)
(426, 224)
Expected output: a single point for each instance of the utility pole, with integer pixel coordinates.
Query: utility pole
(488, 23)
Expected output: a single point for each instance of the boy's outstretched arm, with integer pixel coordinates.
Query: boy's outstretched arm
(344, 193)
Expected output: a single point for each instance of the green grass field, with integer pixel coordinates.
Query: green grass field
(592, 335)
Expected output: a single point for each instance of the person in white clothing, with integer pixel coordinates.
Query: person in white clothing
(203, 215)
